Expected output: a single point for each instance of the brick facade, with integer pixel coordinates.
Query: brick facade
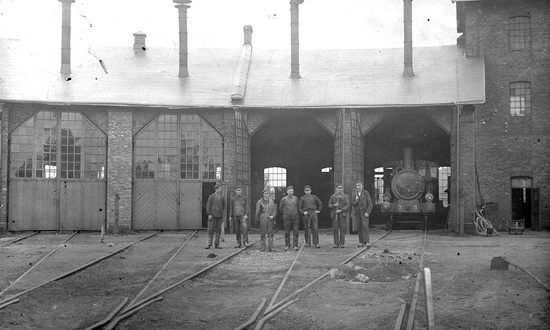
(508, 146)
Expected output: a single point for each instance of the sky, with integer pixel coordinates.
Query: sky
(355, 24)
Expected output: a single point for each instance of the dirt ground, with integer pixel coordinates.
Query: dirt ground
(363, 294)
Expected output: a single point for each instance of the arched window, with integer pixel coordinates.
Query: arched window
(52, 144)
(178, 146)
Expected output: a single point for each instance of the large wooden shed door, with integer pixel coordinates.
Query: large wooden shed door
(57, 173)
(173, 156)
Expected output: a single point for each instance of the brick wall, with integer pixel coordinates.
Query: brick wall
(119, 171)
(508, 145)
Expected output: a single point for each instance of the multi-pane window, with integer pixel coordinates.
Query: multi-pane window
(378, 185)
(243, 149)
(519, 32)
(58, 144)
(520, 98)
(356, 147)
(178, 146)
(274, 177)
(338, 138)
(444, 176)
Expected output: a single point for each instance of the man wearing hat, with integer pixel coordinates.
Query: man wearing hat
(238, 211)
(266, 210)
(214, 208)
(362, 207)
(339, 204)
(310, 205)
(291, 217)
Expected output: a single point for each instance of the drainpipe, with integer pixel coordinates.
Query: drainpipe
(294, 39)
(407, 27)
(182, 10)
(66, 36)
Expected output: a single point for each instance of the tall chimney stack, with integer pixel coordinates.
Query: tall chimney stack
(139, 42)
(247, 29)
(408, 51)
(66, 36)
(182, 10)
(294, 39)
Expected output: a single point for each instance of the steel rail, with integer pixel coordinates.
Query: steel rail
(20, 238)
(110, 316)
(412, 310)
(36, 264)
(429, 299)
(131, 304)
(270, 306)
(253, 317)
(286, 299)
(146, 301)
(75, 270)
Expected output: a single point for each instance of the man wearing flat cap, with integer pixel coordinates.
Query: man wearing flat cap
(238, 213)
(214, 208)
(362, 207)
(339, 205)
(266, 210)
(310, 205)
(291, 217)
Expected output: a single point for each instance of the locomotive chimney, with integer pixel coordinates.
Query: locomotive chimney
(66, 36)
(408, 158)
(407, 27)
(294, 39)
(182, 10)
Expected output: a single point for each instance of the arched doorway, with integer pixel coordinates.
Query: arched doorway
(177, 159)
(301, 146)
(57, 173)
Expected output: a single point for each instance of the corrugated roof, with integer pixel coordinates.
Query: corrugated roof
(369, 78)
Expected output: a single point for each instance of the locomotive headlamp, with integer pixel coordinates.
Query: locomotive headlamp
(386, 196)
(429, 197)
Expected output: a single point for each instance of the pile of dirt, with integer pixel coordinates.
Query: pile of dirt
(379, 266)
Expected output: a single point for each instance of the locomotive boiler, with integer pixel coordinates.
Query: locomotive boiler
(410, 198)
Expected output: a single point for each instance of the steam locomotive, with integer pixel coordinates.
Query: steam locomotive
(410, 196)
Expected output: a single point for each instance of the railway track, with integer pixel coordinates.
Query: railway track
(167, 280)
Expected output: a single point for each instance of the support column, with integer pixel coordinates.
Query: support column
(463, 171)
(4, 115)
(66, 36)
(182, 10)
(119, 172)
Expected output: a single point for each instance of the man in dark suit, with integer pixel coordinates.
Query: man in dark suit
(362, 208)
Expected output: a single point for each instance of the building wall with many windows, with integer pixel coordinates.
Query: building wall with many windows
(512, 135)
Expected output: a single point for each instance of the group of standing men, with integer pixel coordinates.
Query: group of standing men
(359, 205)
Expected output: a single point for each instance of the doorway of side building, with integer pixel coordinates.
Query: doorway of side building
(292, 150)
(525, 202)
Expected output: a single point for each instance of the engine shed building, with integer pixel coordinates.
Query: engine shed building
(134, 138)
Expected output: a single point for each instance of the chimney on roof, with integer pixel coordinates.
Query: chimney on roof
(139, 42)
(66, 36)
(407, 27)
(182, 10)
(247, 34)
(294, 39)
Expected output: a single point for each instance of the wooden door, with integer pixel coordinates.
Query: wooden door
(190, 205)
(32, 205)
(155, 204)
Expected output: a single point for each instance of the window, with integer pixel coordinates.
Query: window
(520, 98)
(178, 146)
(519, 32)
(274, 177)
(444, 176)
(243, 149)
(378, 185)
(58, 144)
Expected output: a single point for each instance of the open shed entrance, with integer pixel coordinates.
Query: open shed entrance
(299, 147)
(431, 157)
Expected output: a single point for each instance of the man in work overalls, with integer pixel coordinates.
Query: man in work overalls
(238, 215)
(310, 205)
(362, 207)
(214, 208)
(266, 210)
(339, 203)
